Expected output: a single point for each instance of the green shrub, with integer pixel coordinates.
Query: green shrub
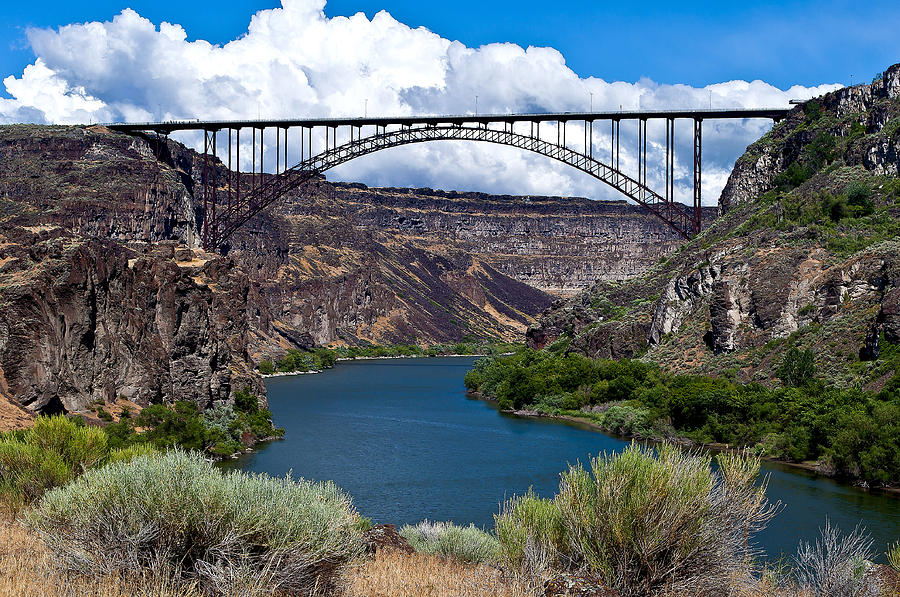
(531, 534)
(130, 453)
(179, 425)
(28, 470)
(893, 556)
(859, 195)
(103, 414)
(812, 111)
(466, 544)
(627, 420)
(49, 454)
(798, 368)
(646, 523)
(80, 447)
(266, 367)
(245, 401)
(176, 515)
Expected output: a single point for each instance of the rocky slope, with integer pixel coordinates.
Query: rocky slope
(345, 263)
(85, 320)
(806, 255)
(106, 295)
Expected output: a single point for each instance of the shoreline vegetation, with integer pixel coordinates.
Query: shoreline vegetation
(316, 360)
(714, 447)
(848, 434)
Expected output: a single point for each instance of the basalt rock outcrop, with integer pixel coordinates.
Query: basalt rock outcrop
(806, 255)
(870, 106)
(92, 320)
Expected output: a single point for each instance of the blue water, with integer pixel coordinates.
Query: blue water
(401, 437)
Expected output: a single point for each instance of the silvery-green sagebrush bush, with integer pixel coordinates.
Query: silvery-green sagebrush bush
(175, 515)
(466, 544)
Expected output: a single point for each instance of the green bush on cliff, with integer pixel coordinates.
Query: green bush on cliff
(177, 516)
(221, 430)
(306, 360)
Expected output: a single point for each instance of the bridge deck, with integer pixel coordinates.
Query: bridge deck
(209, 125)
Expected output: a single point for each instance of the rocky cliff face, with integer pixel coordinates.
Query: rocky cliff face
(96, 301)
(806, 255)
(869, 106)
(558, 245)
(91, 320)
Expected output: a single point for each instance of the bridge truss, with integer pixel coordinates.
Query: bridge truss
(231, 200)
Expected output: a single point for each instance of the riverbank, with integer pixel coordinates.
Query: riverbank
(848, 434)
(811, 467)
(345, 359)
(315, 360)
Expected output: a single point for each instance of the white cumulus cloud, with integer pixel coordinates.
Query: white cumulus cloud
(295, 62)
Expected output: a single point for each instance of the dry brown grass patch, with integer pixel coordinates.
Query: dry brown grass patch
(27, 570)
(394, 574)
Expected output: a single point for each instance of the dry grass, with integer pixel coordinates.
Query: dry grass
(395, 574)
(12, 416)
(27, 570)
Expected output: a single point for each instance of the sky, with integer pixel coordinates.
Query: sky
(119, 60)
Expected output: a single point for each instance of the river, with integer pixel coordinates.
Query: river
(400, 436)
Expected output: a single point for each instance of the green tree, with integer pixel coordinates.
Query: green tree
(798, 369)
(180, 425)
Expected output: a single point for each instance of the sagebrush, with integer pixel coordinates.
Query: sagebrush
(178, 516)
(466, 544)
(646, 522)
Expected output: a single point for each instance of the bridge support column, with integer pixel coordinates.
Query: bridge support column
(698, 158)
(238, 160)
(670, 160)
(614, 143)
(230, 174)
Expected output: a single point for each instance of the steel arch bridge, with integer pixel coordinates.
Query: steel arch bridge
(230, 201)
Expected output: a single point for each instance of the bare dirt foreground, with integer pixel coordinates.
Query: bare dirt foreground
(27, 570)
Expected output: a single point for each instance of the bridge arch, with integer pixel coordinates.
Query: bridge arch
(223, 220)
